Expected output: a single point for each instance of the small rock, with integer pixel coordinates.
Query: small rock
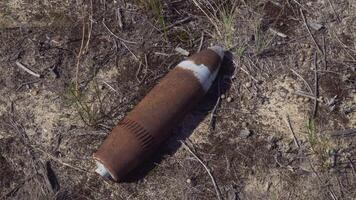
(283, 93)
(300, 99)
(232, 195)
(321, 99)
(245, 133)
(270, 146)
(182, 51)
(34, 92)
(306, 99)
(316, 26)
(244, 124)
(223, 96)
(302, 58)
(229, 99)
(248, 84)
(191, 182)
(268, 186)
(272, 140)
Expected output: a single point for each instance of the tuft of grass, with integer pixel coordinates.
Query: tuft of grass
(156, 7)
(319, 146)
(227, 16)
(240, 50)
(263, 39)
(87, 109)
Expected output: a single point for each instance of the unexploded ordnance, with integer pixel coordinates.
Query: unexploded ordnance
(136, 137)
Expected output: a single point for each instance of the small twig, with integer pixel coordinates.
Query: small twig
(119, 18)
(217, 190)
(210, 19)
(344, 46)
(352, 166)
(343, 133)
(27, 83)
(310, 33)
(27, 70)
(146, 68)
(138, 72)
(324, 53)
(306, 83)
(316, 85)
(90, 28)
(176, 23)
(117, 37)
(310, 96)
(139, 69)
(112, 88)
(201, 42)
(333, 8)
(246, 72)
(213, 112)
(122, 41)
(332, 194)
(278, 33)
(292, 131)
(297, 2)
(61, 162)
(79, 56)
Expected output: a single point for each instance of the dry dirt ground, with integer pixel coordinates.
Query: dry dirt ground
(279, 122)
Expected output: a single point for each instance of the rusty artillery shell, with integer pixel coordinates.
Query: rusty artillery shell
(148, 124)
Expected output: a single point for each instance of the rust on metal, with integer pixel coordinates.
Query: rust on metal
(139, 134)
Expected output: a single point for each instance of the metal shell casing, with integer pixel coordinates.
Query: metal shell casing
(136, 137)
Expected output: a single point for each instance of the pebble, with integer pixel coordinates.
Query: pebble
(232, 195)
(244, 124)
(223, 96)
(302, 58)
(191, 182)
(34, 92)
(182, 51)
(283, 93)
(245, 133)
(300, 99)
(272, 140)
(310, 52)
(321, 99)
(229, 99)
(248, 84)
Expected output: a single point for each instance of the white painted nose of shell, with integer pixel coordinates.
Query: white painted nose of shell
(202, 72)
